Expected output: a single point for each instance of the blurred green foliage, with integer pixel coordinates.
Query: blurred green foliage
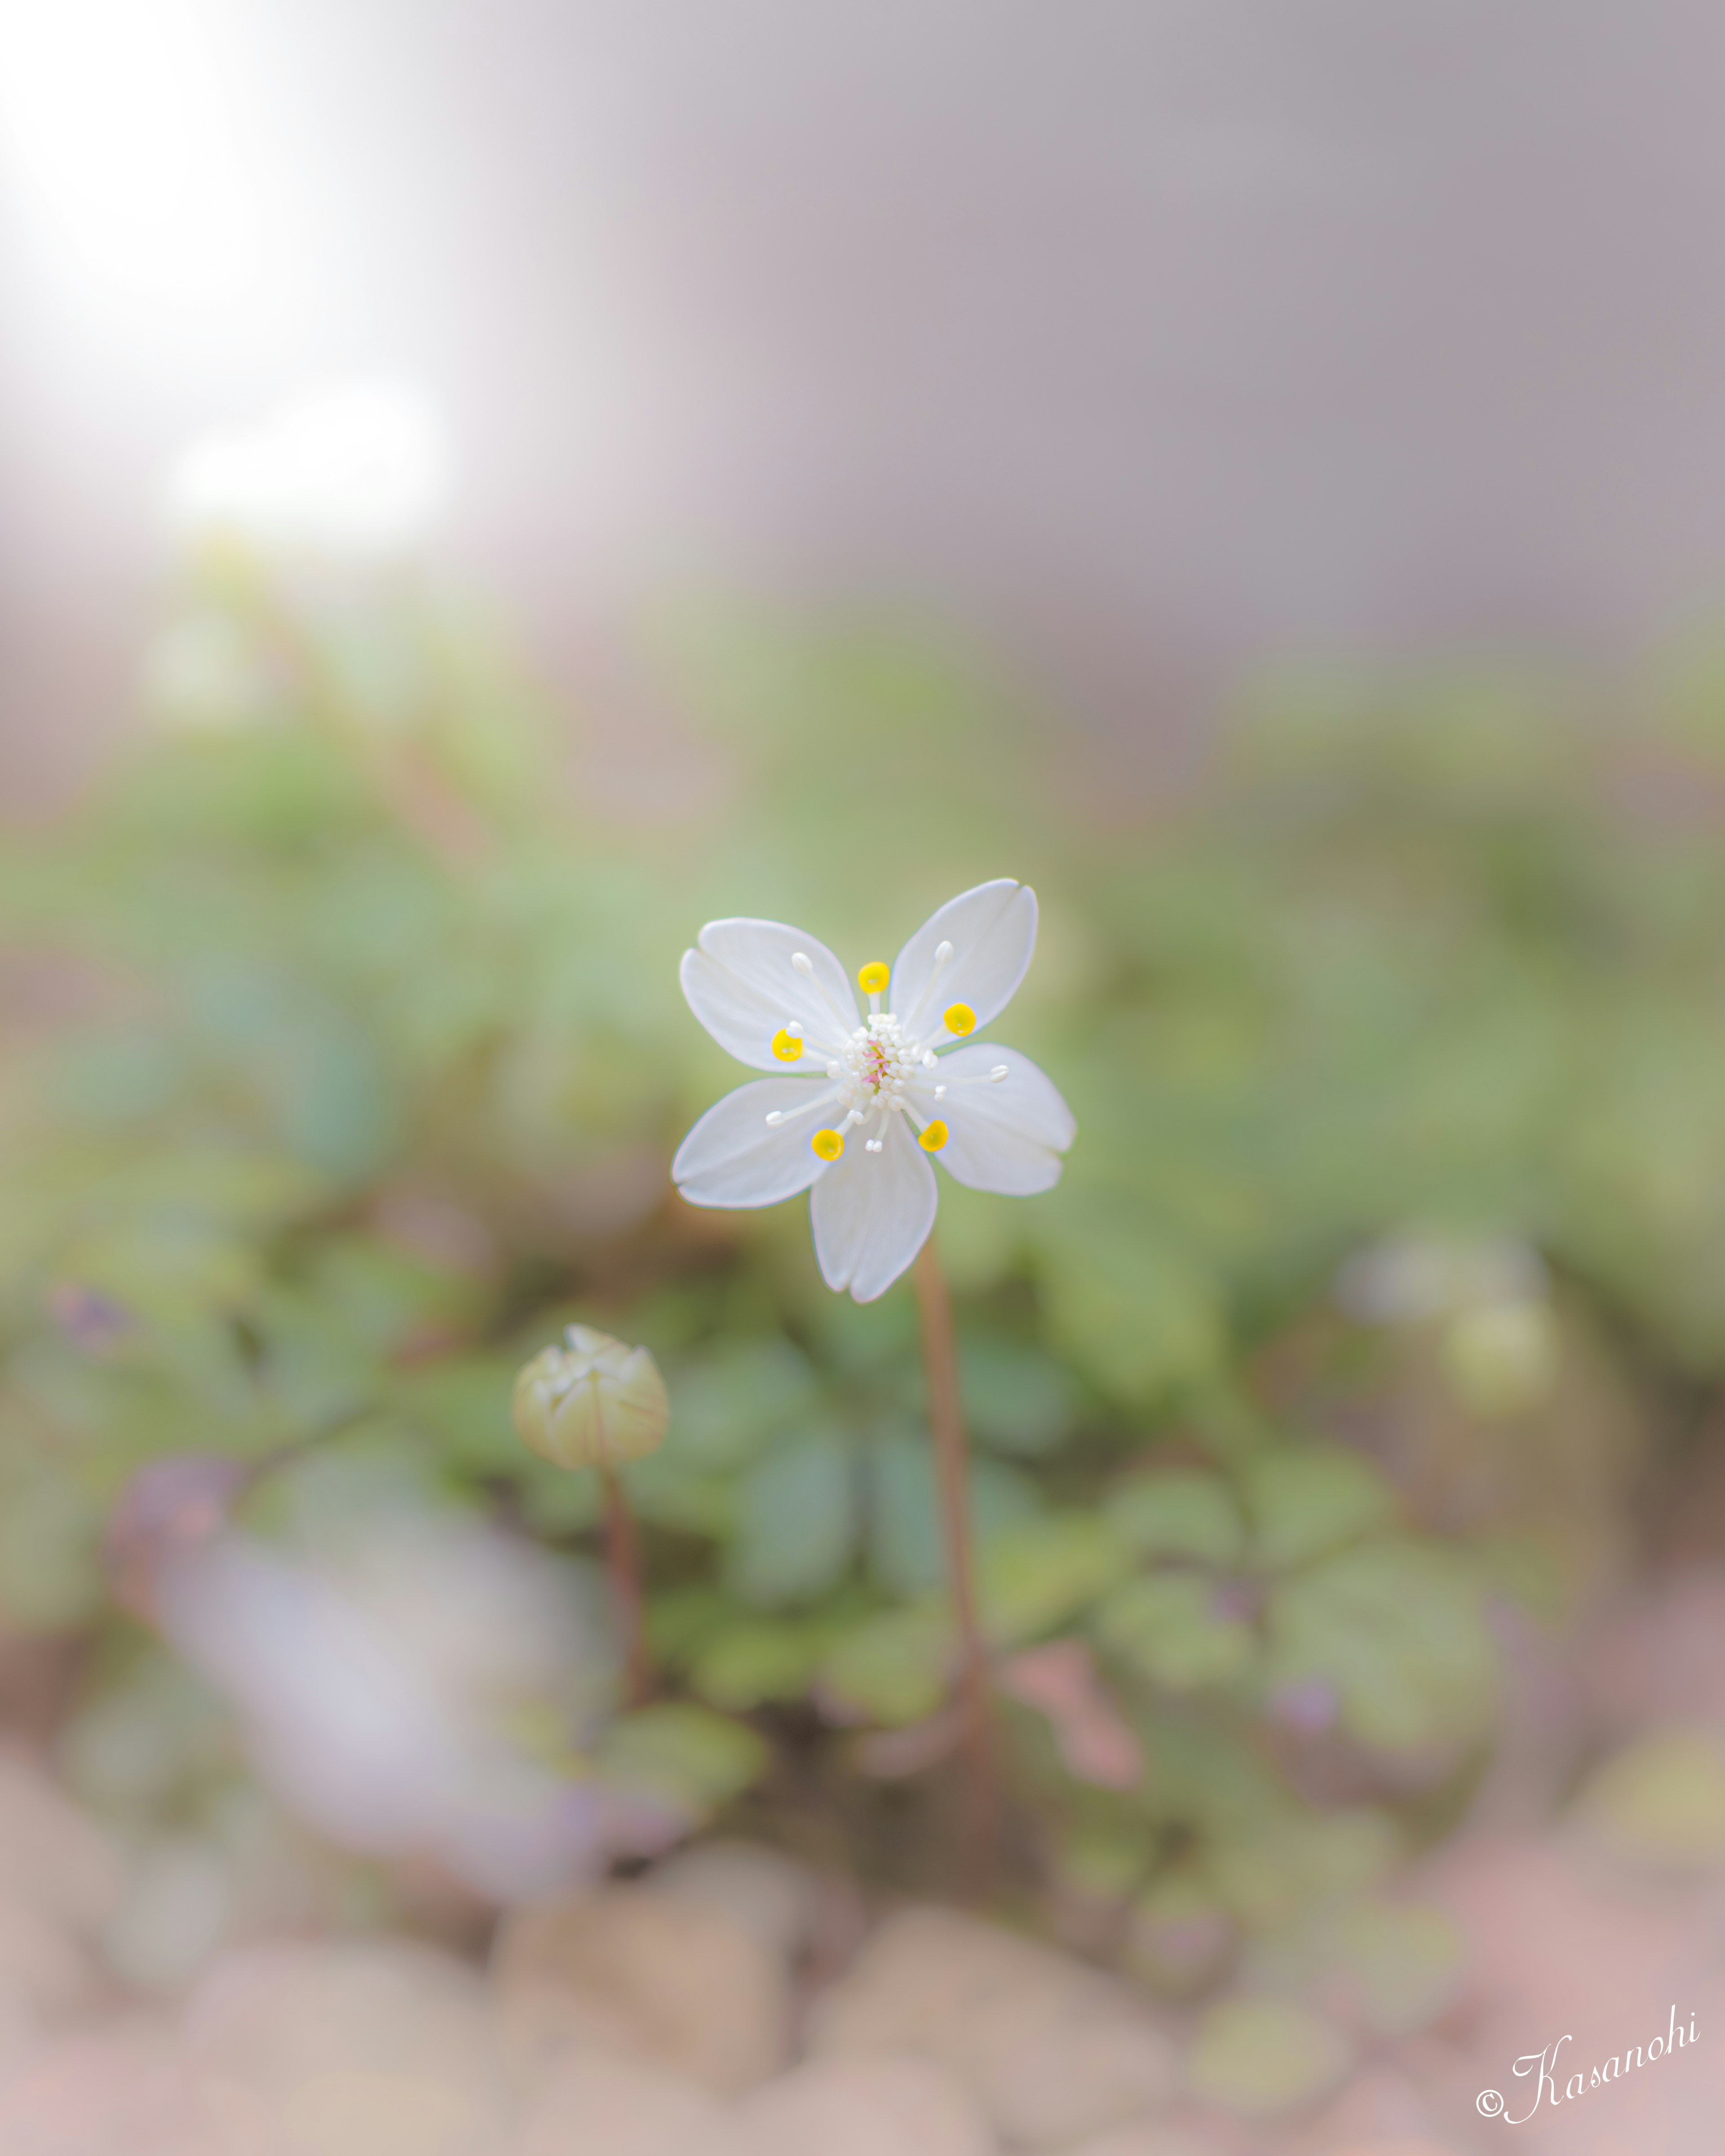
(344, 1058)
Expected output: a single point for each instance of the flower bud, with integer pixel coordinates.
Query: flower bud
(593, 1404)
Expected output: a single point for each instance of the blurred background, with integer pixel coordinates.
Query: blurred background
(485, 491)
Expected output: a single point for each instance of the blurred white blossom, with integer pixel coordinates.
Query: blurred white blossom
(359, 471)
(424, 1693)
(1491, 1299)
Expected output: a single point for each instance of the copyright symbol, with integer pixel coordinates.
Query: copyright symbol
(1488, 2103)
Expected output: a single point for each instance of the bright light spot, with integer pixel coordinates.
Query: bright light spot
(124, 143)
(360, 471)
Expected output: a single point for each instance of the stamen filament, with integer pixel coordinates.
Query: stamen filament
(805, 966)
(775, 1116)
(942, 952)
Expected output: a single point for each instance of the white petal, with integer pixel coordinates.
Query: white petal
(743, 987)
(992, 931)
(871, 1212)
(1007, 1136)
(734, 1157)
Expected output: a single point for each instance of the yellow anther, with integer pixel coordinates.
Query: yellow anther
(959, 1018)
(828, 1144)
(874, 977)
(933, 1138)
(787, 1046)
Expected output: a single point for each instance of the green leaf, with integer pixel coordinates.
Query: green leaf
(892, 1668)
(1258, 2056)
(681, 1619)
(463, 1403)
(906, 1556)
(1178, 1512)
(1140, 1318)
(1018, 1399)
(1399, 1628)
(556, 1502)
(683, 1752)
(748, 1662)
(1402, 1961)
(797, 1517)
(1037, 1578)
(670, 1492)
(730, 1407)
(1304, 1502)
(1167, 1626)
(1271, 1865)
(1661, 1802)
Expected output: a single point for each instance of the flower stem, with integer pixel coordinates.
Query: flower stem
(945, 1418)
(622, 1555)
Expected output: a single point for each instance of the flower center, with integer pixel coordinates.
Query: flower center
(876, 1064)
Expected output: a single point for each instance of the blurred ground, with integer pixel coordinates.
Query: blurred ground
(735, 2002)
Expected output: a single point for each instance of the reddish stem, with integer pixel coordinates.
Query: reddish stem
(622, 1555)
(946, 1419)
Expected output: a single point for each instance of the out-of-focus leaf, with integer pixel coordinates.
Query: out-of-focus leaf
(1018, 1399)
(1305, 1501)
(1393, 1965)
(906, 1556)
(668, 1492)
(730, 1406)
(1399, 1627)
(1271, 1864)
(556, 1502)
(50, 1533)
(1140, 1318)
(1173, 1628)
(1178, 1513)
(1661, 1801)
(1180, 1935)
(891, 1668)
(681, 1621)
(748, 1662)
(1258, 2056)
(797, 1519)
(463, 1404)
(1034, 1578)
(685, 1753)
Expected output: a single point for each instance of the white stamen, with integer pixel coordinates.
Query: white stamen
(820, 1097)
(794, 1030)
(978, 1078)
(929, 1059)
(873, 1145)
(940, 1092)
(846, 1019)
(942, 952)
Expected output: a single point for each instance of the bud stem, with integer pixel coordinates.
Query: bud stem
(945, 1418)
(622, 1555)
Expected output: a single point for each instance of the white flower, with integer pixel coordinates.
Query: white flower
(861, 1102)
